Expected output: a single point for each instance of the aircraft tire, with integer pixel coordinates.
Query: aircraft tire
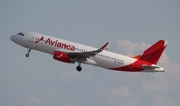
(27, 55)
(78, 68)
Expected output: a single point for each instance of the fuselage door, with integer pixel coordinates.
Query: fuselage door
(31, 38)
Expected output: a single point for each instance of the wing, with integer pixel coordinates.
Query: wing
(82, 56)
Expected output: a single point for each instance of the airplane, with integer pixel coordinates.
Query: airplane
(71, 52)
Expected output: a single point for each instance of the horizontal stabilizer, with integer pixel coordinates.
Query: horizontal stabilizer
(153, 68)
(150, 67)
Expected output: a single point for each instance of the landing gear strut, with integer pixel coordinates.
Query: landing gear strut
(27, 55)
(79, 68)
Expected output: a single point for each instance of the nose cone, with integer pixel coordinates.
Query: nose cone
(13, 37)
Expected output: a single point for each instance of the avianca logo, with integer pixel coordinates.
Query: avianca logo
(56, 43)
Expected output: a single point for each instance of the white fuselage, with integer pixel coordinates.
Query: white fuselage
(49, 44)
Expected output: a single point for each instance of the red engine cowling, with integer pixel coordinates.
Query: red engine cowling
(64, 57)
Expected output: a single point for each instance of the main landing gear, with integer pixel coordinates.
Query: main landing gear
(79, 68)
(27, 55)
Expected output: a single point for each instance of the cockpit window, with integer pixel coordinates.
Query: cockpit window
(20, 34)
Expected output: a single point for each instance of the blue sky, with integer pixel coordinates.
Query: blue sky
(130, 27)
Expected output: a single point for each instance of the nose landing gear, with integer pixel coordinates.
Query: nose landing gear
(27, 55)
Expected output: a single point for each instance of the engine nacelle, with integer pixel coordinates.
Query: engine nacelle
(64, 57)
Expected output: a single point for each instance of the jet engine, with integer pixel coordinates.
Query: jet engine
(63, 57)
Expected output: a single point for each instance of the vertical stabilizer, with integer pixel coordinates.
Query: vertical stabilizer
(153, 53)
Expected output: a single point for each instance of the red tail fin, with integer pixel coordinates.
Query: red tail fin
(153, 53)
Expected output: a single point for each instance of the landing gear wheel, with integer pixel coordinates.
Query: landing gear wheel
(27, 55)
(78, 68)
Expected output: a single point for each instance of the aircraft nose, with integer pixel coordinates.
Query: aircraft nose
(13, 37)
